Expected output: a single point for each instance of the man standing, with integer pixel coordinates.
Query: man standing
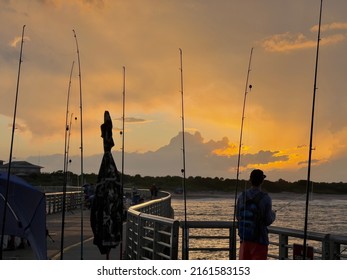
(254, 215)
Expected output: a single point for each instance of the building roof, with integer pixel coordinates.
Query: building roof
(22, 164)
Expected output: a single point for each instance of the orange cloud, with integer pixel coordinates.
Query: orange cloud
(228, 151)
(17, 41)
(331, 26)
(288, 42)
(287, 160)
(333, 39)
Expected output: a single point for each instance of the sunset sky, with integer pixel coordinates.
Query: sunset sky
(144, 36)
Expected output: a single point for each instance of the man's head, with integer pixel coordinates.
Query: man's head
(257, 177)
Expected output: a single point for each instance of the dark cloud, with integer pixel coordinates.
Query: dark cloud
(134, 120)
(263, 157)
(131, 120)
(200, 161)
(167, 160)
(44, 1)
(97, 3)
(313, 161)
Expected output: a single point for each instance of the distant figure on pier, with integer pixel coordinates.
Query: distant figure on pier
(154, 191)
(254, 214)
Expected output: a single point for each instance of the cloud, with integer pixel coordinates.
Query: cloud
(288, 42)
(330, 26)
(333, 39)
(313, 161)
(301, 146)
(20, 127)
(97, 3)
(201, 160)
(264, 157)
(46, 1)
(16, 41)
(133, 120)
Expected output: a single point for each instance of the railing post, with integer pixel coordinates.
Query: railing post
(140, 233)
(131, 236)
(326, 249)
(232, 242)
(174, 240)
(48, 201)
(155, 241)
(283, 247)
(185, 241)
(331, 250)
(55, 204)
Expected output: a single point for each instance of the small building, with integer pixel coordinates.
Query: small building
(21, 168)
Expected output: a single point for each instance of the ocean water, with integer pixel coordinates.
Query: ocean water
(327, 214)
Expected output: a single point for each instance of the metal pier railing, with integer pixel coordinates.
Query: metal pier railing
(54, 201)
(153, 233)
(282, 241)
(325, 246)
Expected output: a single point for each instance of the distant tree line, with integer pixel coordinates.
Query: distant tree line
(193, 184)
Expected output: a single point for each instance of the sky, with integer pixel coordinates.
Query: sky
(144, 37)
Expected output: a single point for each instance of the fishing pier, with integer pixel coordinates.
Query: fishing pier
(152, 232)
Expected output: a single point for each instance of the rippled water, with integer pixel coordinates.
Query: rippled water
(327, 214)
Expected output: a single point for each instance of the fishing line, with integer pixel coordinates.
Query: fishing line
(290, 202)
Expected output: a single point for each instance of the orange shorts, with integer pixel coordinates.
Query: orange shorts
(252, 251)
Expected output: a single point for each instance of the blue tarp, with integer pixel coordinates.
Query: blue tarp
(25, 214)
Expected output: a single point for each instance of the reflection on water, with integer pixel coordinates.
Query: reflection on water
(327, 214)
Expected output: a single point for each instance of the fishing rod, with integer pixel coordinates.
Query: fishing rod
(11, 147)
(67, 128)
(311, 132)
(183, 170)
(68, 144)
(122, 176)
(68, 149)
(123, 122)
(247, 87)
(81, 126)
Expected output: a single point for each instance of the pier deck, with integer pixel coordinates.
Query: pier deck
(72, 240)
